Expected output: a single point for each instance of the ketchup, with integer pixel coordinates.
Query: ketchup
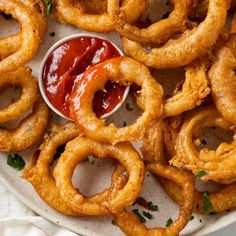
(65, 66)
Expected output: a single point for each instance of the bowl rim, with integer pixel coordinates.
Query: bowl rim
(51, 49)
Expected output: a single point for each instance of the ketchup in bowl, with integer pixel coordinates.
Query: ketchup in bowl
(64, 67)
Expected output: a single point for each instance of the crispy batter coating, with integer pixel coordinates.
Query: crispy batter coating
(76, 14)
(122, 70)
(28, 132)
(191, 45)
(23, 78)
(219, 164)
(223, 80)
(30, 37)
(77, 150)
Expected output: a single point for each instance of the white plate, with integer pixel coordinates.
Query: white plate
(98, 226)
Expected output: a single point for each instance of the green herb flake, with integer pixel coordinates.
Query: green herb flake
(49, 6)
(207, 205)
(153, 207)
(201, 173)
(15, 161)
(191, 217)
(169, 222)
(141, 218)
(113, 222)
(147, 215)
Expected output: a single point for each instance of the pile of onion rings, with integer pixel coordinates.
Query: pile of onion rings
(192, 36)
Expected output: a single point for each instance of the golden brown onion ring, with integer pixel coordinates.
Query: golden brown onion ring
(191, 45)
(38, 172)
(122, 70)
(158, 32)
(76, 14)
(194, 90)
(23, 78)
(223, 80)
(131, 225)
(11, 44)
(222, 200)
(77, 150)
(28, 131)
(29, 35)
(219, 164)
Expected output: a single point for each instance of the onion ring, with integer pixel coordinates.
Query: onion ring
(222, 200)
(28, 131)
(122, 70)
(38, 172)
(131, 225)
(29, 35)
(223, 80)
(11, 44)
(158, 32)
(23, 78)
(77, 150)
(76, 15)
(194, 90)
(219, 164)
(189, 46)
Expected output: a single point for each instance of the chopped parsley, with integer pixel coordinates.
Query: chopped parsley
(153, 207)
(49, 6)
(147, 215)
(15, 161)
(207, 205)
(201, 173)
(191, 217)
(141, 218)
(169, 222)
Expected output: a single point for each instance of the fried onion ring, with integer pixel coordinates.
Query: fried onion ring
(122, 70)
(223, 80)
(194, 90)
(131, 225)
(23, 78)
(219, 164)
(75, 14)
(77, 150)
(191, 45)
(158, 32)
(38, 172)
(29, 35)
(28, 131)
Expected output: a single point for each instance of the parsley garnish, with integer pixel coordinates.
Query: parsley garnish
(169, 222)
(207, 205)
(49, 6)
(141, 218)
(191, 217)
(201, 173)
(153, 207)
(147, 215)
(15, 161)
